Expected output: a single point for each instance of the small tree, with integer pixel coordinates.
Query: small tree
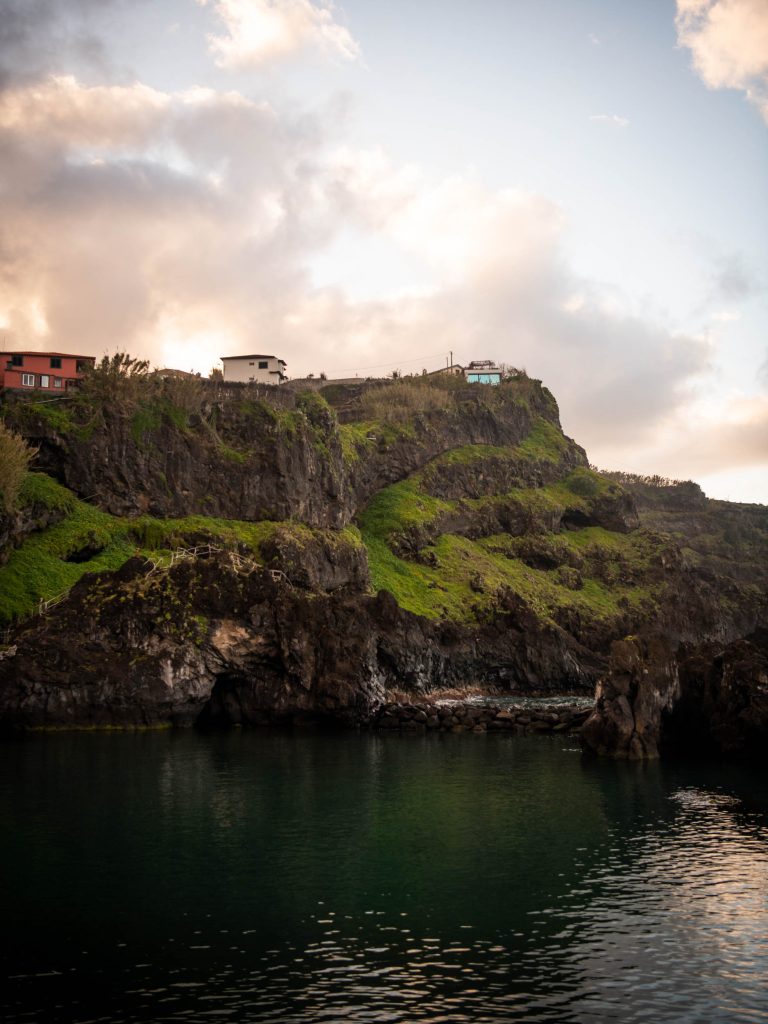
(116, 377)
(15, 457)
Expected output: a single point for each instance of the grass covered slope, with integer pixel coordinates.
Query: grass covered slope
(86, 540)
(460, 558)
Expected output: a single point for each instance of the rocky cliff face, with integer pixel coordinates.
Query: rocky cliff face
(706, 700)
(416, 536)
(221, 639)
(248, 458)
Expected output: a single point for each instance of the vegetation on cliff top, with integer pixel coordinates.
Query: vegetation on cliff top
(15, 457)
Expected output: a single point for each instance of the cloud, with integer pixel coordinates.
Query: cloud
(43, 36)
(613, 119)
(731, 279)
(258, 31)
(728, 40)
(182, 225)
(737, 438)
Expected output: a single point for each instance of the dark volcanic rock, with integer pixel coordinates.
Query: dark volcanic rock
(217, 640)
(208, 637)
(711, 700)
(629, 702)
(723, 704)
(252, 460)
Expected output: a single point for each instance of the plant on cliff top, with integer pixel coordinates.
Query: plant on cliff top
(400, 401)
(15, 457)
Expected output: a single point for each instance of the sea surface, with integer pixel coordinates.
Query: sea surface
(315, 877)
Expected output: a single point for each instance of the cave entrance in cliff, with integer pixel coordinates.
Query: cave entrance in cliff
(574, 519)
(224, 706)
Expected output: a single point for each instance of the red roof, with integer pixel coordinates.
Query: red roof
(30, 352)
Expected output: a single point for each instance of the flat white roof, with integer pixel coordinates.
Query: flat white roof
(258, 355)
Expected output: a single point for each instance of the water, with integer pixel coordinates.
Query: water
(303, 877)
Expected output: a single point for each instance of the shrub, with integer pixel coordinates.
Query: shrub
(15, 457)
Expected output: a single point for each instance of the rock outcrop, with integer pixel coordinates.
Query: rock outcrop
(221, 640)
(642, 683)
(708, 700)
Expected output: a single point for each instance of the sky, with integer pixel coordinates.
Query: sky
(574, 187)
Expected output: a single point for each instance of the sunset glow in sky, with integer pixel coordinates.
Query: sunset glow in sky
(579, 188)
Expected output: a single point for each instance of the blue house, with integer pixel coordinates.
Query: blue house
(482, 371)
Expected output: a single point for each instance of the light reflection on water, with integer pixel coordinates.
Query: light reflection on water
(296, 878)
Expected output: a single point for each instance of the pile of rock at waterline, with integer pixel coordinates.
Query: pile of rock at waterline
(457, 716)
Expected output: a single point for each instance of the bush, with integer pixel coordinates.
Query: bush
(15, 457)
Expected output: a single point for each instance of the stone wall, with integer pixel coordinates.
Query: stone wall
(458, 716)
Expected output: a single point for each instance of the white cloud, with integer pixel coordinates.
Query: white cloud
(614, 119)
(172, 224)
(728, 40)
(258, 31)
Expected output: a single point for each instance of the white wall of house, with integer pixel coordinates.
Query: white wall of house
(257, 369)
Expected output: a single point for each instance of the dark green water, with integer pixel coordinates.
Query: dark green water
(321, 878)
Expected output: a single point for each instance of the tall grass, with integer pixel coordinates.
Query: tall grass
(400, 401)
(15, 457)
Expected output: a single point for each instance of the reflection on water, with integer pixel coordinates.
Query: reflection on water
(300, 878)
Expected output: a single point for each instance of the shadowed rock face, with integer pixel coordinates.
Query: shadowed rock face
(247, 460)
(213, 641)
(151, 649)
(629, 702)
(16, 525)
(723, 704)
(709, 700)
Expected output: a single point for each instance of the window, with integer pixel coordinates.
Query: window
(28, 380)
(44, 380)
(57, 382)
(250, 364)
(262, 366)
(17, 360)
(55, 362)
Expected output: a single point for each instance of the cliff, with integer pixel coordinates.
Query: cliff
(335, 544)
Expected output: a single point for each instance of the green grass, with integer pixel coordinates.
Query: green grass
(470, 453)
(399, 506)
(41, 489)
(232, 454)
(39, 570)
(449, 591)
(356, 438)
(469, 575)
(544, 442)
(149, 416)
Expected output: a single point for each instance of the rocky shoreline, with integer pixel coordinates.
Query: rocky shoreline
(463, 716)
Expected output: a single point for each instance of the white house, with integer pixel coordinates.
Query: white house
(254, 369)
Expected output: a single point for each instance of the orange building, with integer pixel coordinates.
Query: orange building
(42, 371)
